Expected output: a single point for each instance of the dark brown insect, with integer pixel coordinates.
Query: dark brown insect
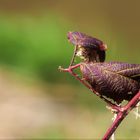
(86, 47)
(117, 81)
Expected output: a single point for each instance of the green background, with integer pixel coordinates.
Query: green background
(33, 43)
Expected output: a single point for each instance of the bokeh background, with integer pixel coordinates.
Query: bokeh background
(36, 100)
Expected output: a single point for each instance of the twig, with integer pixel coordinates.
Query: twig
(73, 57)
(70, 70)
(121, 112)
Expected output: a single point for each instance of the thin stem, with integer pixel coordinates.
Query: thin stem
(121, 112)
(73, 57)
(121, 115)
(132, 103)
(70, 70)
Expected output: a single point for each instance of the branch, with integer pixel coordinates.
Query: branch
(122, 112)
(115, 107)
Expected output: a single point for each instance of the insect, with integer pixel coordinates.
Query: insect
(116, 81)
(86, 47)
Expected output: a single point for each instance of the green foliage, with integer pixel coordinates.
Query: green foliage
(34, 46)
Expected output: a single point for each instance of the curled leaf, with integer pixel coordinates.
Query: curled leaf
(113, 80)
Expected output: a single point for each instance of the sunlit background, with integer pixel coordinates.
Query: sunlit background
(36, 100)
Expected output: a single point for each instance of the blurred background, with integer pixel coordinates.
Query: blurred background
(36, 100)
